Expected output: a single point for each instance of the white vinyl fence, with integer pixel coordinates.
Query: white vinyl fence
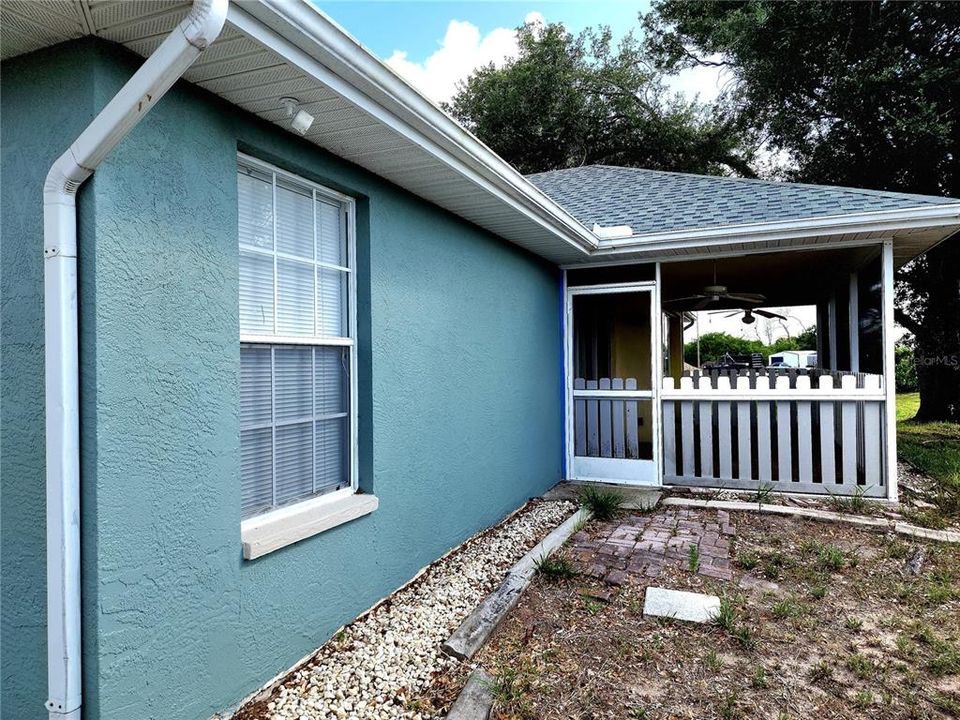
(795, 432)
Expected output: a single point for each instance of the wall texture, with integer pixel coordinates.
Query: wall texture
(41, 114)
(460, 403)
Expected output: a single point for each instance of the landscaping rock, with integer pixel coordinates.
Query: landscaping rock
(380, 662)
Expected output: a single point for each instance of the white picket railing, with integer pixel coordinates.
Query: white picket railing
(743, 433)
(607, 417)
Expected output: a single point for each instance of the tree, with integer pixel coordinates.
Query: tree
(714, 345)
(864, 94)
(567, 101)
(906, 369)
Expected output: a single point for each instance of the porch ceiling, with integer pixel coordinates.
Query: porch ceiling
(786, 279)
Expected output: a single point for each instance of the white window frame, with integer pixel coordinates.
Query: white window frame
(278, 519)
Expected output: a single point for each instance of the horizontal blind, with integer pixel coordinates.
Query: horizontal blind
(294, 399)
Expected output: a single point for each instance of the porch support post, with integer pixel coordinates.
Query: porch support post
(853, 322)
(889, 379)
(832, 329)
(656, 339)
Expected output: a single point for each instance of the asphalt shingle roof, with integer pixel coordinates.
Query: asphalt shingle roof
(652, 201)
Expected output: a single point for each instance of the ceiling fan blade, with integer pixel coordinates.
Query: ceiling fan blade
(767, 313)
(684, 299)
(703, 303)
(746, 297)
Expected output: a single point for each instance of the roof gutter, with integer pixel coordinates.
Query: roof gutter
(141, 92)
(307, 38)
(927, 216)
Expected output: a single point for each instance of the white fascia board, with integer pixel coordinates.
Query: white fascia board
(884, 221)
(306, 38)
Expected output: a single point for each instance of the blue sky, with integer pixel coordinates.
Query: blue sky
(418, 27)
(436, 44)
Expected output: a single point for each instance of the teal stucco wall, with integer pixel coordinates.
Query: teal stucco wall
(459, 396)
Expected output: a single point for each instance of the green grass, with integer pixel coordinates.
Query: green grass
(934, 450)
(555, 568)
(603, 504)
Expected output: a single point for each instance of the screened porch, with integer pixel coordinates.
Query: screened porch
(822, 426)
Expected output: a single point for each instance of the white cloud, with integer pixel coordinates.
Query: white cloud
(703, 82)
(461, 51)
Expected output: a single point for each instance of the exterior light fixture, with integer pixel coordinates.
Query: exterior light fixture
(301, 120)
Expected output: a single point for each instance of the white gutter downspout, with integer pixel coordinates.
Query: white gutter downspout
(141, 92)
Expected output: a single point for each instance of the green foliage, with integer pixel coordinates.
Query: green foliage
(830, 557)
(934, 450)
(602, 504)
(905, 369)
(555, 568)
(567, 100)
(693, 559)
(862, 94)
(714, 345)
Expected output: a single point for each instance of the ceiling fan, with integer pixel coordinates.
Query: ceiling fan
(748, 318)
(716, 293)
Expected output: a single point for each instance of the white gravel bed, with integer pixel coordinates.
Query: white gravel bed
(375, 665)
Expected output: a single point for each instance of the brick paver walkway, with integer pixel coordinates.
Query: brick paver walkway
(638, 546)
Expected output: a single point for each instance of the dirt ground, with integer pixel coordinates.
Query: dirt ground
(832, 621)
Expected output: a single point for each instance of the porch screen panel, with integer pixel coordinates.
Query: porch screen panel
(296, 345)
(612, 375)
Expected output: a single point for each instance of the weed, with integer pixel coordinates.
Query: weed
(555, 568)
(728, 706)
(944, 702)
(748, 560)
(905, 647)
(693, 561)
(744, 634)
(897, 549)
(854, 624)
(821, 672)
(638, 713)
(511, 688)
(938, 588)
(923, 633)
(785, 609)
(762, 494)
(927, 517)
(819, 591)
(759, 679)
(712, 660)
(592, 606)
(864, 699)
(774, 564)
(603, 504)
(857, 503)
(726, 617)
(946, 658)
(862, 666)
(831, 558)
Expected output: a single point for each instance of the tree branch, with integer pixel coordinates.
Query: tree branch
(906, 321)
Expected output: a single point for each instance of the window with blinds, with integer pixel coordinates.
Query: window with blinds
(296, 339)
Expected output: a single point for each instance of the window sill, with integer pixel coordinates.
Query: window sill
(262, 535)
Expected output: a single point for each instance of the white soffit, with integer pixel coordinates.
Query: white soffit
(271, 49)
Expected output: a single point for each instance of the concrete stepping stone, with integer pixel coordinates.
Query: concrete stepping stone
(680, 605)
